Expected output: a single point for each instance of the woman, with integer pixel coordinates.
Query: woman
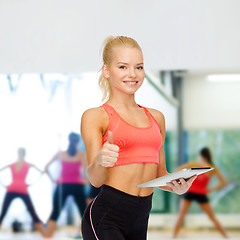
(19, 189)
(70, 183)
(199, 190)
(125, 147)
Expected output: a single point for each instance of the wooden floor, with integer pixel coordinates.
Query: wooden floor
(69, 234)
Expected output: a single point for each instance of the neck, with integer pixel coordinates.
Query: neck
(205, 162)
(122, 100)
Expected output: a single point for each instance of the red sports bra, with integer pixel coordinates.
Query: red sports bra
(136, 145)
(200, 184)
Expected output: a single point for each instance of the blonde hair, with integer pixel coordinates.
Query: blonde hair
(108, 45)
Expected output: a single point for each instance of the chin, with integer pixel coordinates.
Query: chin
(129, 92)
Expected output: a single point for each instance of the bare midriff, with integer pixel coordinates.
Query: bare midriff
(126, 178)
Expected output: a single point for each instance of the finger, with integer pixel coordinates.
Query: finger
(109, 160)
(110, 137)
(170, 184)
(108, 164)
(183, 182)
(112, 147)
(113, 154)
(190, 181)
(175, 183)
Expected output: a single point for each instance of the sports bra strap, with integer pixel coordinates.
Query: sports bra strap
(108, 109)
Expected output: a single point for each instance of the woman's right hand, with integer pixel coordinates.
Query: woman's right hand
(108, 154)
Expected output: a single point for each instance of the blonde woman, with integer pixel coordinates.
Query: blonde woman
(125, 147)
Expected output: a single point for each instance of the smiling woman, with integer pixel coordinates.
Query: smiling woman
(118, 43)
(125, 147)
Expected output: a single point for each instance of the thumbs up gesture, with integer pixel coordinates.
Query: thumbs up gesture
(108, 155)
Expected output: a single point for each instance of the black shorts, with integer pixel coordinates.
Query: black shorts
(116, 215)
(93, 191)
(200, 198)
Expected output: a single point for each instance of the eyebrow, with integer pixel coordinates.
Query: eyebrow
(127, 63)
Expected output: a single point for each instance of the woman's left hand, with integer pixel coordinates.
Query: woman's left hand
(182, 186)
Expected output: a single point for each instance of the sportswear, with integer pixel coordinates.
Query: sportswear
(136, 145)
(10, 196)
(18, 184)
(116, 215)
(200, 198)
(70, 172)
(62, 192)
(200, 184)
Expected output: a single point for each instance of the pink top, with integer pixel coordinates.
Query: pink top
(70, 172)
(136, 145)
(18, 179)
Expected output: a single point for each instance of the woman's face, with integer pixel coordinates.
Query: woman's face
(126, 72)
(21, 152)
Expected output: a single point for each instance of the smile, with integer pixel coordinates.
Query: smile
(130, 82)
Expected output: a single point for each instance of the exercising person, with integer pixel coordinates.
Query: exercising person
(19, 189)
(70, 183)
(199, 190)
(125, 147)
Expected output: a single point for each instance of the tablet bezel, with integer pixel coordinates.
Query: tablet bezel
(185, 173)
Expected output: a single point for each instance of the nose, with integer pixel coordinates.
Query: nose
(131, 73)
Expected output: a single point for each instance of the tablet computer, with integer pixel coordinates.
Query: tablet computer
(184, 173)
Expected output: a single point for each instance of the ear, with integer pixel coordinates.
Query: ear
(105, 71)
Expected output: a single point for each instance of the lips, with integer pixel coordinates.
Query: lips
(130, 82)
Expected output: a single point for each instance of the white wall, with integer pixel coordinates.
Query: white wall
(65, 36)
(210, 105)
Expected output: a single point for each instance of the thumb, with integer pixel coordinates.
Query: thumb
(191, 180)
(110, 137)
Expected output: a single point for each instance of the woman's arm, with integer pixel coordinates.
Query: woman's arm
(1, 169)
(46, 169)
(5, 167)
(99, 157)
(162, 170)
(222, 181)
(38, 169)
(176, 187)
(83, 159)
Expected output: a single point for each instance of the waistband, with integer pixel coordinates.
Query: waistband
(113, 191)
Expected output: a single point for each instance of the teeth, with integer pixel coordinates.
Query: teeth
(131, 82)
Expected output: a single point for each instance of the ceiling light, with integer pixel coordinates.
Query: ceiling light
(223, 77)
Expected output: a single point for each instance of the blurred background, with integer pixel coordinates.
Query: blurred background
(50, 57)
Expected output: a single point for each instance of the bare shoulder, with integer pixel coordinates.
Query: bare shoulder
(158, 116)
(29, 164)
(97, 113)
(95, 118)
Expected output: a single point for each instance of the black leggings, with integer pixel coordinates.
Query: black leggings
(26, 199)
(114, 214)
(60, 196)
(93, 191)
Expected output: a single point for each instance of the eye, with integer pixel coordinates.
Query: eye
(140, 68)
(123, 67)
